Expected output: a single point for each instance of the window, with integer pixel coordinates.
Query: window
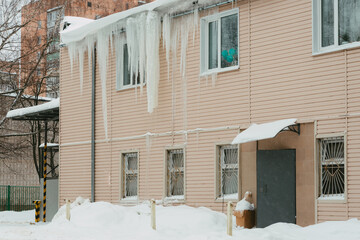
(52, 86)
(175, 173)
(227, 171)
(124, 79)
(39, 24)
(335, 24)
(39, 40)
(332, 166)
(220, 42)
(129, 180)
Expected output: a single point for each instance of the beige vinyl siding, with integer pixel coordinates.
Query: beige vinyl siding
(278, 78)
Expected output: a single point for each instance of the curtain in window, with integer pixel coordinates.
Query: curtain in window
(327, 22)
(229, 170)
(126, 76)
(229, 41)
(213, 45)
(332, 166)
(175, 172)
(131, 170)
(349, 21)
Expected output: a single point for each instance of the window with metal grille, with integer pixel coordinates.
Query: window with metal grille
(228, 170)
(129, 175)
(175, 172)
(332, 166)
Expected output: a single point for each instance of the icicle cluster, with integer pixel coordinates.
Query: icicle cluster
(142, 36)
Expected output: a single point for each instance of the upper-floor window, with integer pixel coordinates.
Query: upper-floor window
(220, 42)
(335, 24)
(123, 77)
(54, 16)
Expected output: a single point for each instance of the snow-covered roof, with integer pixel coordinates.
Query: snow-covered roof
(85, 28)
(262, 131)
(38, 109)
(25, 96)
(76, 34)
(49, 145)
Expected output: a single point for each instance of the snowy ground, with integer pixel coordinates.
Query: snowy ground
(106, 221)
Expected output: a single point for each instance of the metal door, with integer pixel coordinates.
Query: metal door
(276, 187)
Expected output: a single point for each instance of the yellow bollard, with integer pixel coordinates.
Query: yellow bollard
(37, 210)
(68, 209)
(229, 218)
(153, 216)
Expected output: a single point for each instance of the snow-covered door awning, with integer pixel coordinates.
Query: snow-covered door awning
(263, 131)
(43, 112)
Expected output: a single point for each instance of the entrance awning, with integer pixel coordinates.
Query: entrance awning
(264, 131)
(44, 112)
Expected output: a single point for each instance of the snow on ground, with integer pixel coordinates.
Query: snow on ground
(103, 220)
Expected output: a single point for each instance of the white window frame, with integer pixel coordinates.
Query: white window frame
(124, 172)
(219, 165)
(316, 33)
(174, 198)
(204, 43)
(120, 70)
(340, 198)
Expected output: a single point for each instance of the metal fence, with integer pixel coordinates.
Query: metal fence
(18, 198)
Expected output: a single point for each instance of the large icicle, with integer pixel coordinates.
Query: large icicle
(166, 37)
(102, 48)
(153, 31)
(119, 51)
(142, 48)
(133, 47)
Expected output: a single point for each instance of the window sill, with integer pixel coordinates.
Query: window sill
(227, 198)
(332, 199)
(218, 70)
(129, 87)
(175, 199)
(337, 49)
(129, 200)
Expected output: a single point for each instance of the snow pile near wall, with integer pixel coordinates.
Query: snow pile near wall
(103, 220)
(244, 205)
(17, 217)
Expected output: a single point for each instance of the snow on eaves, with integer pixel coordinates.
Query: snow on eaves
(49, 145)
(34, 109)
(73, 23)
(77, 34)
(85, 28)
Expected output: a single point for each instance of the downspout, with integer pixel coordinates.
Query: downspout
(93, 126)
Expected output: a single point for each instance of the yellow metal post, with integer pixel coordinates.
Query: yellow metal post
(37, 210)
(45, 163)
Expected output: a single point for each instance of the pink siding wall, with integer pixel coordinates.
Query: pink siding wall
(278, 78)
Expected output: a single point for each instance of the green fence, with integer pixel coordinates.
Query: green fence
(18, 198)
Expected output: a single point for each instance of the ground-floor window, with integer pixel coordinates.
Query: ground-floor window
(332, 164)
(175, 172)
(227, 171)
(129, 167)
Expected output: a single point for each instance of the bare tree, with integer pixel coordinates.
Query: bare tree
(28, 66)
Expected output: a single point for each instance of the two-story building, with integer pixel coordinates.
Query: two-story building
(160, 101)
